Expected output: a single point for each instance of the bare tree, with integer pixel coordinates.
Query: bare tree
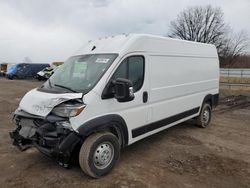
(234, 48)
(207, 25)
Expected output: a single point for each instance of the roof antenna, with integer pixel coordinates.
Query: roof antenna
(94, 47)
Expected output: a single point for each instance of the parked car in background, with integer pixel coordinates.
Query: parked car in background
(25, 70)
(45, 73)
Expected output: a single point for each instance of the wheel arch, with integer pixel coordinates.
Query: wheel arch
(112, 122)
(208, 98)
(212, 99)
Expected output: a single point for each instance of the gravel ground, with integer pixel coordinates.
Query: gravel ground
(182, 156)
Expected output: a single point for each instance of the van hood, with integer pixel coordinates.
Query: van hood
(40, 103)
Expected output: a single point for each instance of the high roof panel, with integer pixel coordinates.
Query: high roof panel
(123, 44)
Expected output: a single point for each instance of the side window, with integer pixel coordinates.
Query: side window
(136, 71)
(121, 71)
(131, 68)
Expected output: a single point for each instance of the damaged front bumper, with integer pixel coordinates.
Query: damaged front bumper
(51, 136)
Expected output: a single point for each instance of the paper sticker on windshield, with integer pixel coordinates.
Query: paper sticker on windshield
(102, 60)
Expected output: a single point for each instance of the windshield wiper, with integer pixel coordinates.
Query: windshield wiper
(65, 87)
(50, 85)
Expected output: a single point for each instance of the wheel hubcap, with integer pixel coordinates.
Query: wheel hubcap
(206, 116)
(103, 155)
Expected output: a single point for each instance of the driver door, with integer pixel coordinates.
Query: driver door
(135, 112)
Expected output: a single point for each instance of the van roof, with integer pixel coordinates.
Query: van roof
(128, 43)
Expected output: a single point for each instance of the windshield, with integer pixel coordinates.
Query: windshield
(12, 67)
(79, 73)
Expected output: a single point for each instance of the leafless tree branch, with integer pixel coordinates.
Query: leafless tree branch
(207, 25)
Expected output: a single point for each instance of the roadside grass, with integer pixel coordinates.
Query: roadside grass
(235, 80)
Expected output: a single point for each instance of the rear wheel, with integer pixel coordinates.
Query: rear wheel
(99, 153)
(203, 120)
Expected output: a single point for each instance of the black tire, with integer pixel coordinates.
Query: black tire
(204, 119)
(39, 78)
(99, 148)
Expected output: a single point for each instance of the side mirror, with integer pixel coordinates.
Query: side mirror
(123, 90)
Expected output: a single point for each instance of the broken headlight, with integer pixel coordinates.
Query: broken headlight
(68, 110)
(65, 124)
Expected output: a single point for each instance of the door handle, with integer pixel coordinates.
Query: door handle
(145, 97)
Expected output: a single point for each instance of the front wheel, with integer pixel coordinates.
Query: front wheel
(204, 118)
(10, 77)
(99, 153)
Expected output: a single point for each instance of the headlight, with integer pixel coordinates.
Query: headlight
(68, 110)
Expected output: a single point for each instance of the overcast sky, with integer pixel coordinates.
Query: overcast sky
(53, 30)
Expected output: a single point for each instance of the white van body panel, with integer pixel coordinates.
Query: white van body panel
(180, 83)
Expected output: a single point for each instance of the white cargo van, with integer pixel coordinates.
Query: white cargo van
(114, 92)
